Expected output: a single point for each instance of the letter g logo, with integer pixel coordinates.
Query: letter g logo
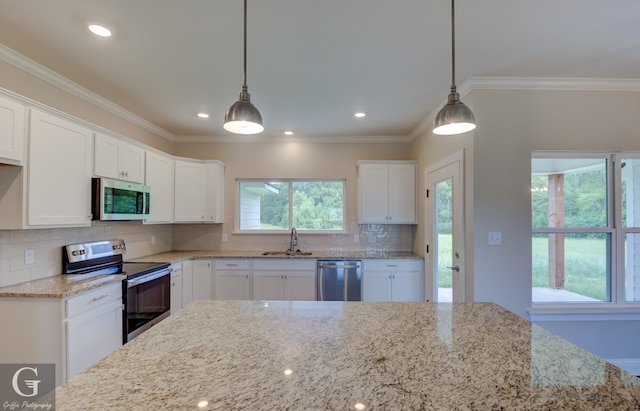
(33, 384)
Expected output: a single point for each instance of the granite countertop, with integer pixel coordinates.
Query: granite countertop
(60, 286)
(223, 355)
(177, 256)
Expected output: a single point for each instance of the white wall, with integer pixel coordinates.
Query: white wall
(510, 125)
(294, 160)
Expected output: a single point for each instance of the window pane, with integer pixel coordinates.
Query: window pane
(568, 193)
(570, 267)
(630, 173)
(632, 266)
(318, 205)
(264, 205)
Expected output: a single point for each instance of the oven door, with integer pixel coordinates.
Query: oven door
(147, 302)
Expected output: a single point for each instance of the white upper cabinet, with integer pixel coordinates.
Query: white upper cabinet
(159, 176)
(60, 170)
(189, 193)
(387, 192)
(199, 189)
(12, 137)
(115, 158)
(214, 192)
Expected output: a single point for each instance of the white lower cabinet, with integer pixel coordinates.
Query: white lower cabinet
(202, 280)
(285, 279)
(176, 287)
(72, 333)
(393, 280)
(187, 283)
(232, 279)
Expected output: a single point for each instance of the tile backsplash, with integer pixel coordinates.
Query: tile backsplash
(141, 240)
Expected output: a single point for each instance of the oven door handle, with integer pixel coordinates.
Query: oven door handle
(146, 278)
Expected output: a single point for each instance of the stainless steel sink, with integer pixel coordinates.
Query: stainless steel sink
(288, 253)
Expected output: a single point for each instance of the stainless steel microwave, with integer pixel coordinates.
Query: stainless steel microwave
(119, 200)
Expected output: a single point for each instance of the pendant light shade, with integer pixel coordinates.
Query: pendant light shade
(455, 117)
(243, 117)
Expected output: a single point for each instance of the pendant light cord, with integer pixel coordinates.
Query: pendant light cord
(244, 69)
(453, 49)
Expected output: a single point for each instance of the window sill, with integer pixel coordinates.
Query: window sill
(288, 232)
(584, 312)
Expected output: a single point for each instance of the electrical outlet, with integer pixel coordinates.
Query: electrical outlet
(29, 257)
(225, 238)
(356, 238)
(153, 240)
(495, 238)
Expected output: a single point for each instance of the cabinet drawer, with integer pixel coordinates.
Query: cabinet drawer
(94, 298)
(284, 264)
(392, 265)
(224, 264)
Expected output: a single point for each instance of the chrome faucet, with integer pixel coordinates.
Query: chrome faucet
(293, 242)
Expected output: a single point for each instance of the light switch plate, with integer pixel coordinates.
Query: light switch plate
(495, 238)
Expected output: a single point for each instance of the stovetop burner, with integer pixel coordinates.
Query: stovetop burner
(103, 257)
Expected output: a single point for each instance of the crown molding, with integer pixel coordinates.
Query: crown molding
(267, 138)
(472, 83)
(26, 64)
(530, 83)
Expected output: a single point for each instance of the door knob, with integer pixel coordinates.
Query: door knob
(455, 268)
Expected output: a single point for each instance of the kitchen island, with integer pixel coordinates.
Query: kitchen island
(222, 355)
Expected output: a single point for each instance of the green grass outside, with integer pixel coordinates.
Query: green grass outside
(585, 264)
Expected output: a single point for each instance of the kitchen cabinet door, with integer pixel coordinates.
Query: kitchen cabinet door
(189, 192)
(187, 283)
(176, 288)
(214, 192)
(393, 280)
(233, 279)
(93, 334)
(60, 170)
(116, 158)
(268, 285)
(402, 194)
(159, 176)
(373, 184)
(300, 285)
(12, 131)
(232, 285)
(202, 280)
(376, 285)
(407, 286)
(387, 192)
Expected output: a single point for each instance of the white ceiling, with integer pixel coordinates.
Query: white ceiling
(313, 63)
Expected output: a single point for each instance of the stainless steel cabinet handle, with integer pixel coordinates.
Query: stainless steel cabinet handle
(99, 298)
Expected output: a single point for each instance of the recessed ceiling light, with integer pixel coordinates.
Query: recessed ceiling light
(288, 133)
(203, 115)
(360, 115)
(99, 30)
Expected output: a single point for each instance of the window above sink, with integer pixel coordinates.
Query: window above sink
(276, 206)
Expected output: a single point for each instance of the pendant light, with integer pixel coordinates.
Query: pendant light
(455, 117)
(243, 117)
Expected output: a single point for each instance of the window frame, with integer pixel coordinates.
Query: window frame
(290, 181)
(614, 228)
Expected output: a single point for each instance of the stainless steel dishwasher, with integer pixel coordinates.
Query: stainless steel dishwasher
(339, 280)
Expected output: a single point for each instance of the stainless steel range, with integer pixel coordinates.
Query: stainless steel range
(145, 291)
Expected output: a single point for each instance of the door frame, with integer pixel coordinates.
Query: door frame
(459, 228)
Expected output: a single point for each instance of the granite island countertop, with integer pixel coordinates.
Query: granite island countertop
(223, 355)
